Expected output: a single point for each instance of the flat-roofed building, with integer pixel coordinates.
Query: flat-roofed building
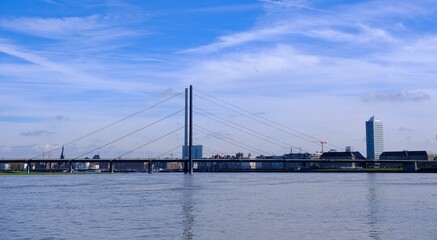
(341, 156)
(407, 155)
(4, 167)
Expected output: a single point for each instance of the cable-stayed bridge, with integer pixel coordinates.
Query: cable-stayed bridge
(279, 136)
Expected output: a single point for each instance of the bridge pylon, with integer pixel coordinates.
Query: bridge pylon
(188, 141)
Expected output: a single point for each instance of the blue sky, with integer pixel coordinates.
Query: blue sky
(320, 67)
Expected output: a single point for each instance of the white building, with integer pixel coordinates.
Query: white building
(374, 138)
(4, 167)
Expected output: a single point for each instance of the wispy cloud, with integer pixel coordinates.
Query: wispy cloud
(36, 133)
(250, 66)
(19, 119)
(299, 4)
(364, 34)
(93, 28)
(61, 117)
(403, 129)
(353, 24)
(223, 8)
(67, 73)
(262, 34)
(401, 96)
(55, 2)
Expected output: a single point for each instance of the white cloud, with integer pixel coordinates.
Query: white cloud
(262, 34)
(51, 27)
(404, 129)
(91, 28)
(376, 34)
(222, 8)
(369, 23)
(61, 117)
(36, 133)
(51, 1)
(64, 72)
(420, 52)
(250, 66)
(401, 96)
(364, 34)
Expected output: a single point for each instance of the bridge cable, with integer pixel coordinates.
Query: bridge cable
(248, 116)
(211, 150)
(152, 141)
(129, 134)
(265, 119)
(229, 140)
(168, 151)
(240, 127)
(111, 124)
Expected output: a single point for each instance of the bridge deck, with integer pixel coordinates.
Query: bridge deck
(137, 160)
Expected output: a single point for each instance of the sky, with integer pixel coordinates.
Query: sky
(317, 70)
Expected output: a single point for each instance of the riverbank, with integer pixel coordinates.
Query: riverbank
(8, 173)
(333, 170)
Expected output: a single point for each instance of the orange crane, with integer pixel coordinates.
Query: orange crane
(321, 143)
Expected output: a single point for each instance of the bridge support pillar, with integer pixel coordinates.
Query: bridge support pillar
(186, 167)
(190, 167)
(71, 167)
(111, 167)
(409, 167)
(28, 167)
(150, 167)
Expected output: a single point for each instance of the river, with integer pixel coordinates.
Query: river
(219, 206)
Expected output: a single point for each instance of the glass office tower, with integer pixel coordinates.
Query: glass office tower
(196, 152)
(374, 138)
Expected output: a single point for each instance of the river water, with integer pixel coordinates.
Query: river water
(219, 206)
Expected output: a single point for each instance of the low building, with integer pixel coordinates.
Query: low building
(341, 156)
(174, 166)
(270, 163)
(4, 167)
(17, 166)
(130, 166)
(297, 156)
(407, 155)
(215, 164)
(274, 162)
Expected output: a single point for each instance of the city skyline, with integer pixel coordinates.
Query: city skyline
(68, 68)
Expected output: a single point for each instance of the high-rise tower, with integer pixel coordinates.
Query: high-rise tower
(374, 138)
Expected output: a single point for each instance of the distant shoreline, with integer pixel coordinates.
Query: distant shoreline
(370, 170)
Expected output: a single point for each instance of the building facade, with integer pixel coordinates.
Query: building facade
(408, 155)
(374, 138)
(341, 156)
(4, 167)
(196, 152)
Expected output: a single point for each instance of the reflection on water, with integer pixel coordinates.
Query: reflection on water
(373, 211)
(187, 207)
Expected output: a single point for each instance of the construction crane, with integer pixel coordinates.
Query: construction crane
(321, 143)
